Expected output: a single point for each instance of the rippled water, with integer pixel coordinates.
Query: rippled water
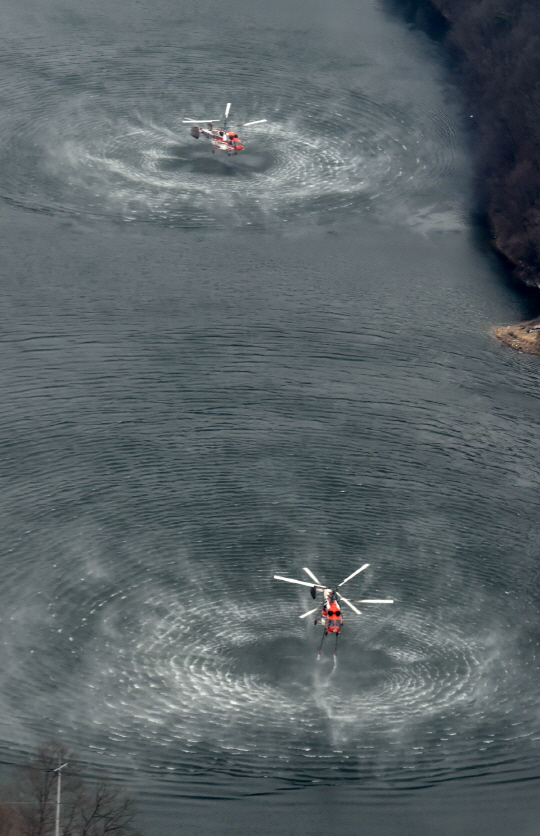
(97, 129)
(282, 360)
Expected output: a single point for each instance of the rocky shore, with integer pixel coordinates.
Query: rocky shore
(495, 46)
(525, 336)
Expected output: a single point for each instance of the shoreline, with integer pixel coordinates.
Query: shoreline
(492, 45)
(523, 336)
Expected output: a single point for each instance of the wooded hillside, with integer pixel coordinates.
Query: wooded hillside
(497, 49)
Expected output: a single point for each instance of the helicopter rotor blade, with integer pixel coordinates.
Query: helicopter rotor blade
(227, 109)
(198, 121)
(311, 575)
(375, 601)
(310, 612)
(247, 124)
(353, 574)
(349, 604)
(292, 580)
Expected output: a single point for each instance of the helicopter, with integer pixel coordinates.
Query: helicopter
(222, 139)
(328, 613)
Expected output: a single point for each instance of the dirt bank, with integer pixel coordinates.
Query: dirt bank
(523, 337)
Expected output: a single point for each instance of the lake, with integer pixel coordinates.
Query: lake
(215, 369)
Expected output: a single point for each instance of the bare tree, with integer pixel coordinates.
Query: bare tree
(88, 808)
(10, 822)
(104, 810)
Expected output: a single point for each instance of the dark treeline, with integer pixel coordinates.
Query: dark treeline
(28, 805)
(496, 44)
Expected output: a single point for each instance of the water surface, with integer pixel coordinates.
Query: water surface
(216, 369)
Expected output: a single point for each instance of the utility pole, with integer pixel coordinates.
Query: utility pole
(58, 771)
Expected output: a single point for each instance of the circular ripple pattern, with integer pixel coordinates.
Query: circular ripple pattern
(328, 149)
(202, 677)
(139, 616)
(152, 487)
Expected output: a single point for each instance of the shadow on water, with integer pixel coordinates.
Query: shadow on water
(277, 662)
(217, 163)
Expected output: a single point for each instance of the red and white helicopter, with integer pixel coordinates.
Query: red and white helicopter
(222, 139)
(329, 612)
